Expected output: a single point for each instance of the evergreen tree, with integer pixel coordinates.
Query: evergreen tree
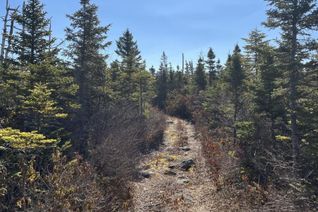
(218, 66)
(86, 41)
(255, 44)
(211, 66)
(152, 71)
(131, 61)
(191, 68)
(200, 77)
(41, 111)
(236, 83)
(59, 79)
(171, 78)
(32, 43)
(295, 18)
(179, 80)
(267, 103)
(162, 83)
(114, 82)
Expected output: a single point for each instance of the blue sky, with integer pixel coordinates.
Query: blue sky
(173, 26)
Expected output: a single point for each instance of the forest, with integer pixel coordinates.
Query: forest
(75, 126)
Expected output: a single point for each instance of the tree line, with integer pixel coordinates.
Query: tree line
(262, 101)
(62, 110)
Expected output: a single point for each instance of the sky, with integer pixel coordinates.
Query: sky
(173, 26)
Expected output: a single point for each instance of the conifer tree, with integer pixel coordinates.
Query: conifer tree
(200, 77)
(87, 40)
(296, 18)
(171, 78)
(33, 44)
(218, 66)
(152, 70)
(236, 83)
(211, 66)
(255, 44)
(131, 61)
(162, 83)
(267, 103)
(41, 111)
(191, 67)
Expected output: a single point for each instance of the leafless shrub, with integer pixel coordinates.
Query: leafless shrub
(120, 141)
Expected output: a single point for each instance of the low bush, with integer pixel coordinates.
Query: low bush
(120, 144)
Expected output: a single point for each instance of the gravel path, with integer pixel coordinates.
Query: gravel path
(172, 182)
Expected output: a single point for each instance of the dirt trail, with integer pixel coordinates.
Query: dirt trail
(167, 187)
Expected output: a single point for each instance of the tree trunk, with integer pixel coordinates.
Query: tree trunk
(235, 117)
(10, 37)
(4, 33)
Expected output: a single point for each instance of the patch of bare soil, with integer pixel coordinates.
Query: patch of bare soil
(175, 177)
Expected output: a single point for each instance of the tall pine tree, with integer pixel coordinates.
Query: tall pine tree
(236, 83)
(87, 40)
(162, 83)
(131, 61)
(33, 43)
(255, 44)
(211, 66)
(295, 18)
(200, 77)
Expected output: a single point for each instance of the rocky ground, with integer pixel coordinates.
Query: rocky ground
(175, 178)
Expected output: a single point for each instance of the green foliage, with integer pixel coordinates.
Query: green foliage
(245, 130)
(298, 21)
(41, 111)
(211, 66)
(87, 40)
(200, 76)
(255, 46)
(16, 139)
(162, 83)
(20, 153)
(34, 44)
(130, 64)
(236, 73)
(14, 86)
(127, 49)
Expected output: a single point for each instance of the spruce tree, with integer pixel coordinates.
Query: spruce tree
(267, 103)
(211, 66)
(191, 67)
(152, 70)
(32, 43)
(162, 83)
(295, 18)
(255, 44)
(87, 40)
(218, 66)
(131, 61)
(41, 111)
(236, 84)
(171, 78)
(200, 77)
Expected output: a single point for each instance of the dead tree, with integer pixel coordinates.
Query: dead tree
(7, 37)
(4, 33)
(10, 36)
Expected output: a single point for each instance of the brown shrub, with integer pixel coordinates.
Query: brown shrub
(118, 147)
(71, 186)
